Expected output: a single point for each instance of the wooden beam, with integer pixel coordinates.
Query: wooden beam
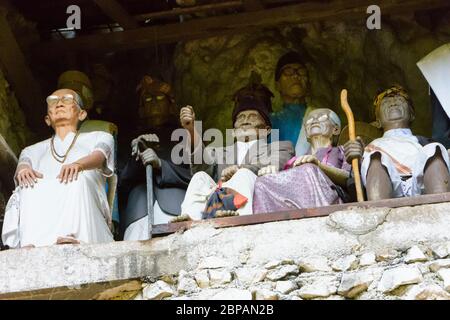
(117, 13)
(165, 229)
(20, 77)
(191, 10)
(253, 5)
(229, 24)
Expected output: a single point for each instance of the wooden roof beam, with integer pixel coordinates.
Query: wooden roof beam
(117, 13)
(229, 24)
(191, 10)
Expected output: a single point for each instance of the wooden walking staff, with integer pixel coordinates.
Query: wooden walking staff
(352, 136)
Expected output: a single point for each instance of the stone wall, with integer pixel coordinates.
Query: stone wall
(419, 273)
(380, 253)
(338, 54)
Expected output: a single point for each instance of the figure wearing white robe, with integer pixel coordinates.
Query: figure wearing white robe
(404, 158)
(39, 215)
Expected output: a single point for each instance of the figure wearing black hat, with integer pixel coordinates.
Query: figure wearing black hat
(293, 84)
(226, 176)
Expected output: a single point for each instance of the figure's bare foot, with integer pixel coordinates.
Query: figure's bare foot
(181, 218)
(226, 213)
(30, 246)
(69, 239)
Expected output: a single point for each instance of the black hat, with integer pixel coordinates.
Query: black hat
(288, 58)
(254, 96)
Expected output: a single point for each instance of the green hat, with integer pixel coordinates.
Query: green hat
(80, 83)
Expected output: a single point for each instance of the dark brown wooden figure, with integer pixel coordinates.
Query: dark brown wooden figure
(399, 164)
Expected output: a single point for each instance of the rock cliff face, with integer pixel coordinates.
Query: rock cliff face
(338, 54)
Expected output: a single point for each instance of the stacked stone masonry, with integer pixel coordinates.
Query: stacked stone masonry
(380, 253)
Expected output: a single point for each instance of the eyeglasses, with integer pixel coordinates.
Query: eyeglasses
(66, 99)
(321, 118)
(150, 98)
(289, 71)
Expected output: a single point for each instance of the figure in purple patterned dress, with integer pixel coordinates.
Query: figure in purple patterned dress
(307, 181)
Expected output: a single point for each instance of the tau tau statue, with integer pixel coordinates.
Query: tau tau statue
(223, 182)
(312, 180)
(399, 164)
(152, 146)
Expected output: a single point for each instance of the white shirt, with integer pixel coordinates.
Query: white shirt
(242, 149)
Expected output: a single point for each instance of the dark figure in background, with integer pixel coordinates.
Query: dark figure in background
(153, 145)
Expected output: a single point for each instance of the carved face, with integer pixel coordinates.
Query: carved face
(293, 82)
(318, 123)
(63, 112)
(396, 111)
(247, 124)
(155, 109)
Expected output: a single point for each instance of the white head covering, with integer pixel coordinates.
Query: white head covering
(436, 69)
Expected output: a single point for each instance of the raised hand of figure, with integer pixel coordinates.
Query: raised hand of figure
(353, 149)
(187, 118)
(227, 173)
(27, 177)
(69, 172)
(148, 138)
(309, 158)
(267, 170)
(181, 218)
(226, 213)
(149, 156)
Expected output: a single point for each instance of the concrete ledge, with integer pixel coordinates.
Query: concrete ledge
(339, 234)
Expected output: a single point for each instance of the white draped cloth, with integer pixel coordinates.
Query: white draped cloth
(404, 158)
(39, 215)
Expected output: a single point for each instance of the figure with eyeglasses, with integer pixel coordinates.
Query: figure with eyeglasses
(60, 196)
(292, 82)
(316, 179)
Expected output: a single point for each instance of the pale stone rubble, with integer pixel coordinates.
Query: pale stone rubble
(416, 273)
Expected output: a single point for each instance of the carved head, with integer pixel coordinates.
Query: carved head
(292, 80)
(156, 102)
(64, 107)
(322, 122)
(394, 109)
(251, 112)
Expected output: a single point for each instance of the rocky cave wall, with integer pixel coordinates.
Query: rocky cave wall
(338, 55)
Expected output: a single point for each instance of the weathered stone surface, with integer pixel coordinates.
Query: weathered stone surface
(345, 263)
(313, 264)
(399, 276)
(285, 287)
(219, 277)
(272, 264)
(426, 291)
(438, 264)
(320, 288)
(233, 294)
(265, 294)
(202, 278)
(304, 238)
(352, 284)
(415, 254)
(387, 254)
(247, 276)
(367, 259)
(213, 263)
(444, 274)
(186, 284)
(157, 291)
(356, 222)
(282, 272)
(440, 250)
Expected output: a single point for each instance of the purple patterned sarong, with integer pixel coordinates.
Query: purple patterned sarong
(305, 186)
